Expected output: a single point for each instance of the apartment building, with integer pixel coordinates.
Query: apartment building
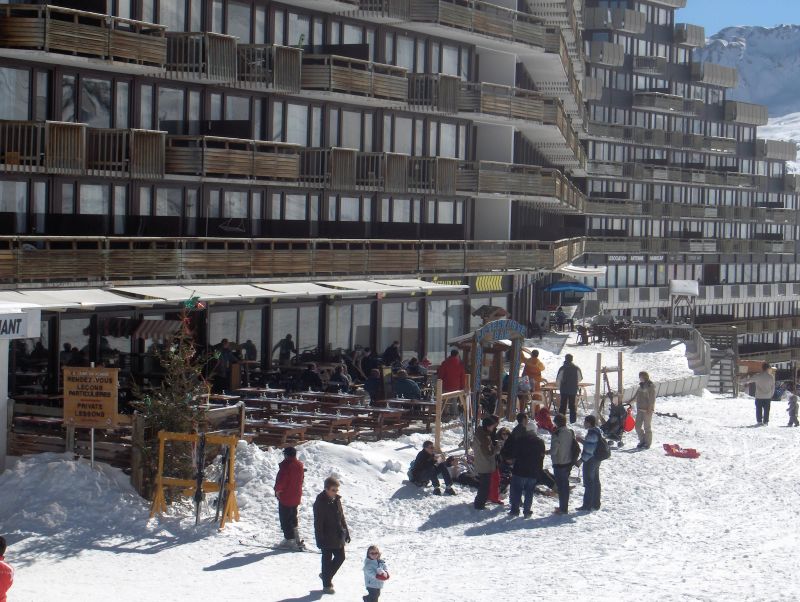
(345, 171)
(680, 186)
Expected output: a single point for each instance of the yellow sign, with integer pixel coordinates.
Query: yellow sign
(489, 284)
(90, 397)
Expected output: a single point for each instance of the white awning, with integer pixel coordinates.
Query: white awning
(293, 289)
(582, 272)
(158, 293)
(74, 298)
(366, 287)
(422, 284)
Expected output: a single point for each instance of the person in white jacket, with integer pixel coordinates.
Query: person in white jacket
(375, 573)
(765, 389)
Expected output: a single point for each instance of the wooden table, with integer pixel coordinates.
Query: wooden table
(256, 391)
(279, 434)
(427, 409)
(549, 391)
(340, 398)
(280, 403)
(377, 419)
(327, 426)
(226, 399)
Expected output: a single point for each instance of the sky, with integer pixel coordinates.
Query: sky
(717, 14)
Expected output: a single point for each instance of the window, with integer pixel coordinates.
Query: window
(297, 124)
(168, 202)
(96, 107)
(14, 200)
(239, 20)
(94, 199)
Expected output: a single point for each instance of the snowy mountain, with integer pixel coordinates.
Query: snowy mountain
(768, 61)
(783, 128)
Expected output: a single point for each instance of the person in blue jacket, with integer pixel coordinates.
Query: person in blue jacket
(375, 574)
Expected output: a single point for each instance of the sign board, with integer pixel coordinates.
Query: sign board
(90, 397)
(20, 325)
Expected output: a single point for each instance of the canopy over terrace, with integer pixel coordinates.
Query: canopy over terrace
(486, 348)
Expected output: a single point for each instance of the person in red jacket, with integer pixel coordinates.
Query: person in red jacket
(289, 491)
(452, 373)
(6, 572)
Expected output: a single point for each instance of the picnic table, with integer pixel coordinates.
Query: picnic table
(257, 391)
(550, 389)
(328, 426)
(279, 403)
(422, 408)
(273, 432)
(377, 419)
(340, 398)
(219, 397)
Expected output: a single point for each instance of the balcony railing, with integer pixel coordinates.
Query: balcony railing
(650, 65)
(746, 113)
(352, 76)
(622, 20)
(43, 146)
(81, 33)
(690, 35)
(607, 54)
(436, 92)
(715, 75)
(592, 88)
(780, 150)
(232, 157)
(204, 56)
(135, 154)
(92, 259)
(435, 175)
(675, 245)
(268, 66)
(660, 101)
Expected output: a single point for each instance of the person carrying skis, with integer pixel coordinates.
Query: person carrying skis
(289, 491)
(331, 532)
(375, 574)
(6, 572)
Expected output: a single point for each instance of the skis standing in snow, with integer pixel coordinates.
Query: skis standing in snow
(375, 574)
(6, 572)
(289, 491)
(331, 532)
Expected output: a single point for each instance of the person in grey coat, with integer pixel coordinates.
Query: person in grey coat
(561, 443)
(645, 406)
(765, 389)
(485, 464)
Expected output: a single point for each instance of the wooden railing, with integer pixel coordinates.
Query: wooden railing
(197, 55)
(437, 92)
(617, 19)
(674, 245)
(352, 76)
(745, 112)
(99, 259)
(125, 153)
(210, 155)
(690, 35)
(43, 146)
(651, 65)
(268, 66)
(436, 175)
(81, 33)
(715, 75)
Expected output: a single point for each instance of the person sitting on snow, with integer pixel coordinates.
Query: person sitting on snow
(617, 413)
(428, 466)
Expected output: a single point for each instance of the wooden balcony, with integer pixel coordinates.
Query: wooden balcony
(118, 260)
(592, 88)
(714, 75)
(345, 169)
(688, 245)
(622, 20)
(779, 150)
(606, 54)
(650, 65)
(690, 35)
(746, 113)
(201, 56)
(436, 92)
(333, 73)
(524, 182)
(670, 3)
(207, 156)
(115, 153)
(53, 147)
(433, 175)
(658, 101)
(268, 66)
(81, 33)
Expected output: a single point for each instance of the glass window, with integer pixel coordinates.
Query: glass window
(349, 209)
(403, 131)
(94, 199)
(121, 110)
(353, 34)
(351, 129)
(299, 30)
(436, 339)
(67, 100)
(146, 108)
(316, 127)
(96, 102)
(239, 19)
(308, 329)
(170, 107)
(448, 140)
(235, 204)
(42, 108)
(401, 211)
(14, 199)
(340, 326)
(297, 124)
(279, 17)
(295, 207)
(75, 332)
(237, 108)
(172, 14)
(168, 201)
(277, 121)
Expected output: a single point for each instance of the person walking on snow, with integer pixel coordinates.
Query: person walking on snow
(375, 574)
(765, 389)
(528, 455)
(6, 572)
(289, 491)
(567, 379)
(485, 464)
(331, 532)
(561, 444)
(591, 465)
(645, 406)
(793, 411)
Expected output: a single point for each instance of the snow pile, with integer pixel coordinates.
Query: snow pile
(768, 61)
(706, 529)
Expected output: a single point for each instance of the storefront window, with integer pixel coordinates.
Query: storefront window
(29, 363)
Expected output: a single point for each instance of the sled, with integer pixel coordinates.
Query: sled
(673, 449)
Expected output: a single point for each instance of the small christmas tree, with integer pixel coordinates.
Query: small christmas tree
(175, 405)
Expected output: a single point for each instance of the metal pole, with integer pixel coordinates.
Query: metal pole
(91, 446)
(3, 403)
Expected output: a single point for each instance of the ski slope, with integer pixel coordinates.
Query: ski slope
(714, 529)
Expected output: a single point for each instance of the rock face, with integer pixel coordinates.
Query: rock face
(768, 60)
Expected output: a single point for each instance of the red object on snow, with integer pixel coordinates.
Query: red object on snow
(673, 449)
(543, 420)
(630, 422)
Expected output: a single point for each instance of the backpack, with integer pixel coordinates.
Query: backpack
(602, 451)
(576, 451)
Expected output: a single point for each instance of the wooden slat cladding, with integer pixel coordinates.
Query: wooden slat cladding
(21, 146)
(268, 66)
(90, 260)
(77, 32)
(207, 56)
(436, 92)
(65, 147)
(352, 76)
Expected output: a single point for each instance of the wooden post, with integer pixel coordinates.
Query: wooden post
(467, 401)
(137, 466)
(241, 420)
(598, 384)
(437, 429)
(620, 384)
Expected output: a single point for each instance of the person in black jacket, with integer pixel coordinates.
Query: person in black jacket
(330, 530)
(310, 378)
(428, 467)
(568, 378)
(528, 453)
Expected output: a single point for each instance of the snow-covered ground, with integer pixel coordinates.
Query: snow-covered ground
(714, 529)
